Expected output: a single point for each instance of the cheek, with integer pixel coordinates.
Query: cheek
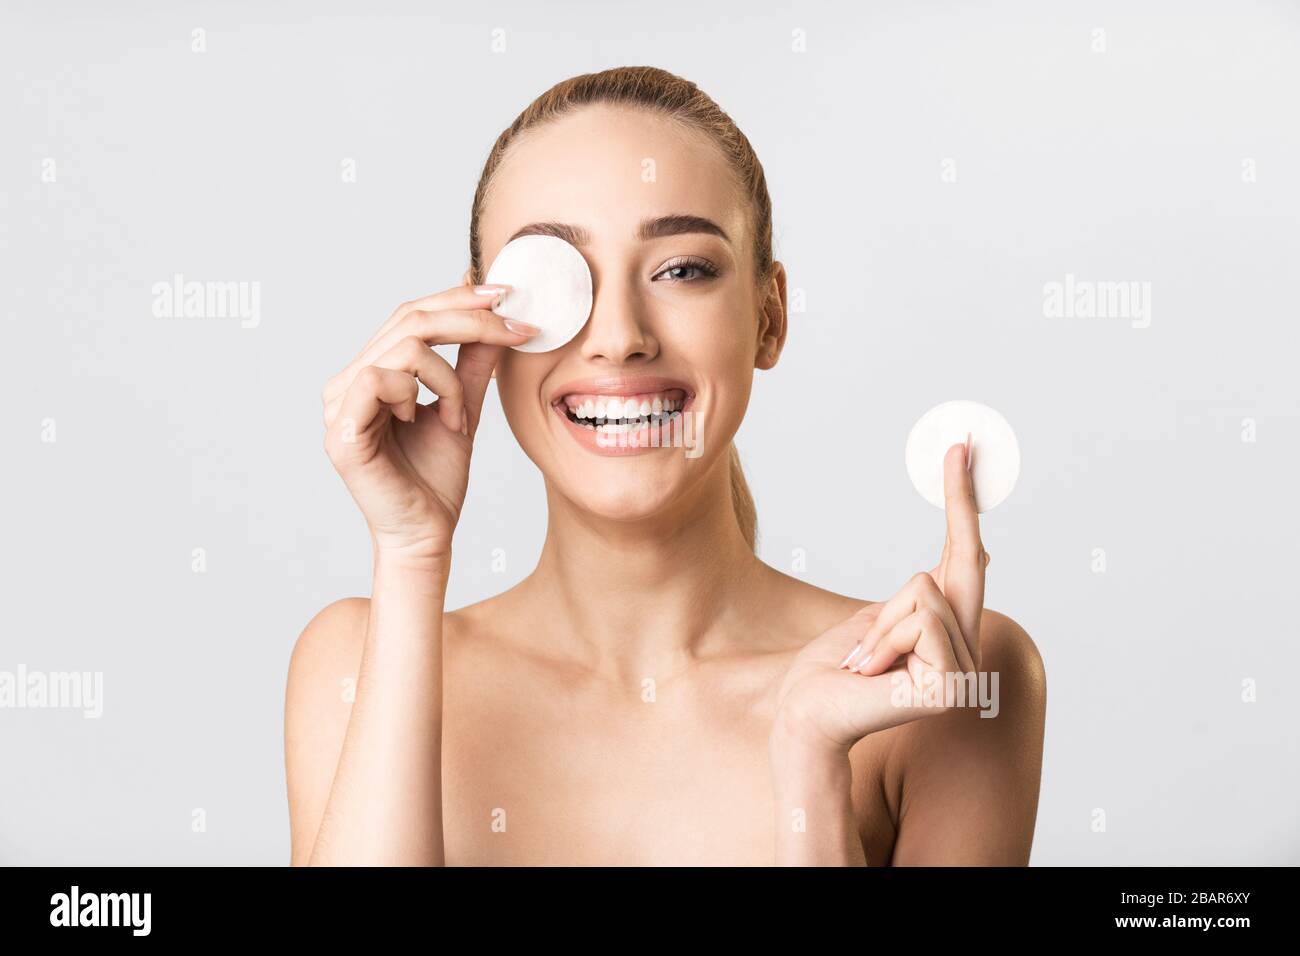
(719, 349)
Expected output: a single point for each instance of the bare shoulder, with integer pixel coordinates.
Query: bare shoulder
(1012, 659)
(1006, 645)
(1014, 679)
(332, 637)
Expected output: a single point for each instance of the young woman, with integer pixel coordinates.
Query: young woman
(652, 693)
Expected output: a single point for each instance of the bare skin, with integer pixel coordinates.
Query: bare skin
(691, 708)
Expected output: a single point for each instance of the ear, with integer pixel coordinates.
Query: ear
(773, 320)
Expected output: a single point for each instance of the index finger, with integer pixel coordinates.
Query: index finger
(457, 297)
(963, 583)
(446, 327)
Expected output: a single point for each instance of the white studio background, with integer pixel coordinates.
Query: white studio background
(934, 167)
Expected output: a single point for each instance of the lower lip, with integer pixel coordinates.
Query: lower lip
(614, 445)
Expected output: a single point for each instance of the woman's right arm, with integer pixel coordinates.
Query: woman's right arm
(364, 780)
(365, 785)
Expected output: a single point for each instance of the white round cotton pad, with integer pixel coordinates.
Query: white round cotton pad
(995, 454)
(551, 289)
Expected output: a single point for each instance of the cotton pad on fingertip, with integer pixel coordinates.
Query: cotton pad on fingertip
(550, 288)
(995, 453)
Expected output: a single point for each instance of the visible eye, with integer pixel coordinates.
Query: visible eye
(703, 268)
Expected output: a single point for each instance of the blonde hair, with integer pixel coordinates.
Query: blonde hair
(658, 90)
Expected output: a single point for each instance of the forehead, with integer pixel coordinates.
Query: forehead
(606, 169)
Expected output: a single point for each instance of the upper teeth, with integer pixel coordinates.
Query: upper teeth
(612, 407)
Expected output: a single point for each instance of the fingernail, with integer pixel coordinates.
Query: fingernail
(856, 647)
(967, 453)
(464, 422)
(862, 663)
(523, 328)
(490, 289)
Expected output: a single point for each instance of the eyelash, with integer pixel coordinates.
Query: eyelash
(690, 262)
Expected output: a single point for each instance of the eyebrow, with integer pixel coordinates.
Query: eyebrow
(656, 228)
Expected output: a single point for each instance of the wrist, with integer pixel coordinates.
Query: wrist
(795, 742)
(804, 768)
(405, 563)
(812, 785)
(798, 767)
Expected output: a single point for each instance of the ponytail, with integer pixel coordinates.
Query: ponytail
(742, 502)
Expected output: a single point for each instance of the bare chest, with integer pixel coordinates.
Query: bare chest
(530, 781)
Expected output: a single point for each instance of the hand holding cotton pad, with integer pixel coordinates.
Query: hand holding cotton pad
(994, 454)
(550, 288)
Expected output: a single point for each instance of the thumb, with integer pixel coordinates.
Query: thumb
(474, 364)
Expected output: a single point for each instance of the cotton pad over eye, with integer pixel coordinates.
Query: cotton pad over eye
(551, 289)
(994, 455)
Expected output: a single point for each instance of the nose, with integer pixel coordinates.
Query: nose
(617, 331)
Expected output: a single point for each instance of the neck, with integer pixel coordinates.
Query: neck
(643, 598)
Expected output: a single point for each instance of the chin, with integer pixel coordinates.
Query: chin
(626, 490)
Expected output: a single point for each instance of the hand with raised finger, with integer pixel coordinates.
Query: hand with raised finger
(893, 662)
(407, 464)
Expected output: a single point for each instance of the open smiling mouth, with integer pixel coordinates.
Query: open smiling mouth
(619, 414)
